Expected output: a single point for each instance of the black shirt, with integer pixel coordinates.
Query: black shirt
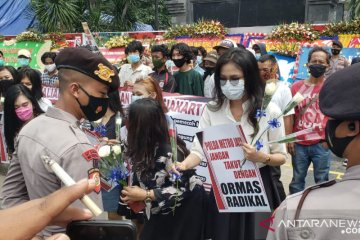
(165, 79)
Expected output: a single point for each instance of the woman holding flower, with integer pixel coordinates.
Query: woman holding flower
(240, 92)
(174, 205)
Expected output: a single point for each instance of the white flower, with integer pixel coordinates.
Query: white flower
(298, 98)
(270, 88)
(116, 149)
(2, 100)
(118, 121)
(104, 151)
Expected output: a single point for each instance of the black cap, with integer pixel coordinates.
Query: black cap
(337, 43)
(89, 63)
(339, 96)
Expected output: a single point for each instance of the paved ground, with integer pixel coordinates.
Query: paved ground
(336, 172)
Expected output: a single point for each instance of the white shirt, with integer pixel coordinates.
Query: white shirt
(44, 104)
(209, 86)
(282, 96)
(128, 74)
(224, 116)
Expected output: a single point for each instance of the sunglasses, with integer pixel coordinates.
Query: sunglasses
(232, 82)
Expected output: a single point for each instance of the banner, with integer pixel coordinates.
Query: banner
(186, 115)
(348, 53)
(37, 49)
(236, 188)
(350, 40)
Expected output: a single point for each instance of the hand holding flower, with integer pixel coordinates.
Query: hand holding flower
(251, 154)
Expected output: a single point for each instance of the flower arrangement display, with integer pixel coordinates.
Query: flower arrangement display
(118, 41)
(294, 31)
(29, 36)
(58, 40)
(270, 89)
(348, 27)
(202, 28)
(290, 48)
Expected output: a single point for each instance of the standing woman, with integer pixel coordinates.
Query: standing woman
(8, 75)
(176, 210)
(239, 92)
(31, 79)
(19, 108)
(111, 199)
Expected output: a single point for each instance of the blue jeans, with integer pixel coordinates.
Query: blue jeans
(304, 155)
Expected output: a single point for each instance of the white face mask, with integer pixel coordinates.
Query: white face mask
(232, 92)
(134, 98)
(50, 67)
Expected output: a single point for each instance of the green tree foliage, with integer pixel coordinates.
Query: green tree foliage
(354, 7)
(56, 15)
(101, 15)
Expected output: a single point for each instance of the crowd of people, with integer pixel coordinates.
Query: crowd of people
(233, 80)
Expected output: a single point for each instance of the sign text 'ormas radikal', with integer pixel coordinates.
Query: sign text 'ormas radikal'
(236, 188)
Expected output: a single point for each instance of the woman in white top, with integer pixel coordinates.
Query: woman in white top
(31, 79)
(240, 92)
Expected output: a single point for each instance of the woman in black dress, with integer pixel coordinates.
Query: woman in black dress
(175, 208)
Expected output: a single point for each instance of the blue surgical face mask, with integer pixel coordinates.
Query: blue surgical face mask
(199, 60)
(23, 61)
(134, 98)
(257, 56)
(2, 63)
(133, 58)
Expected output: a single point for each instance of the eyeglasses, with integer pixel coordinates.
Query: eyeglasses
(232, 82)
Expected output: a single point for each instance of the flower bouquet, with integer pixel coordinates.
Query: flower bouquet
(114, 171)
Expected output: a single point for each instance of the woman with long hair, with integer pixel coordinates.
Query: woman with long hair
(8, 76)
(148, 87)
(239, 94)
(19, 108)
(31, 79)
(174, 208)
(108, 123)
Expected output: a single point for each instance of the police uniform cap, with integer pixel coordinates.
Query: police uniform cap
(339, 96)
(91, 64)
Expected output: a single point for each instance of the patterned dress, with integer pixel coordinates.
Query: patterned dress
(180, 207)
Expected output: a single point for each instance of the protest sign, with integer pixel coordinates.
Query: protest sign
(186, 115)
(236, 188)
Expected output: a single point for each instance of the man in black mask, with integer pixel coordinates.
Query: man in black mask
(85, 78)
(308, 116)
(330, 201)
(337, 62)
(209, 64)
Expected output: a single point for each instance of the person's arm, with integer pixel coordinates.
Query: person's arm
(14, 190)
(196, 153)
(26, 220)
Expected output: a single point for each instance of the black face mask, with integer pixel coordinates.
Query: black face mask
(209, 69)
(317, 70)
(335, 51)
(179, 62)
(96, 107)
(5, 84)
(336, 145)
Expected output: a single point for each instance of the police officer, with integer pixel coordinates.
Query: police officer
(330, 210)
(85, 79)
